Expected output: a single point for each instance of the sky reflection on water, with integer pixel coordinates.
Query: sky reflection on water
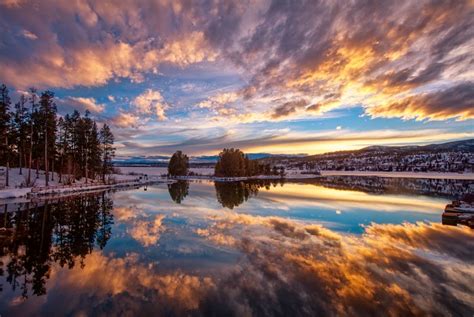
(200, 249)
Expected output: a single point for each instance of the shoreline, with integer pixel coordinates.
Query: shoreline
(425, 175)
(66, 191)
(414, 175)
(58, 191)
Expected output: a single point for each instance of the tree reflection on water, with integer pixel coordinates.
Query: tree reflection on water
(38, 234)
(233, 194)
(178, 191)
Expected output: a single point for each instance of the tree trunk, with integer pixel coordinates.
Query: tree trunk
(52, 169)
(5, 212)
(61, 169)
(73, 169)
(20, 157)
(87, 172)
(30, 158)
(8, 163)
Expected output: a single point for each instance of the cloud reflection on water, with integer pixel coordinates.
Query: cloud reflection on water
(291, 268)
(197, 258)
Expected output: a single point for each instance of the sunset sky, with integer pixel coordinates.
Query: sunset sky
(263, 76)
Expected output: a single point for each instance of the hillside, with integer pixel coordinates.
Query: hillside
(455, 156)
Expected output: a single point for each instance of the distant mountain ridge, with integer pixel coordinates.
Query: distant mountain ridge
(457, 156)
(454, 146)
(464, 145)
(204, 159)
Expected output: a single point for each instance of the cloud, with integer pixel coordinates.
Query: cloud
(398, 60)
(111, 98)
(126, 120)
(29, 35)
(455, 102)
(221, 103)
(288, 108)
(280, 141)
(81, 104)
(357, 54)
(96, 42)
(150, 102)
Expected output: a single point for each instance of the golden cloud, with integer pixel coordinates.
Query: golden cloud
(149, 102)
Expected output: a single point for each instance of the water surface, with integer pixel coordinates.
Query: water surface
(336, 246)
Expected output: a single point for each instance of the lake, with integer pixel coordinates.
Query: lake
(345, 246)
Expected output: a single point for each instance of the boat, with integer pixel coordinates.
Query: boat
(465, 204)
(459, 212)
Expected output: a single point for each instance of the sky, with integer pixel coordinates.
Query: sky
(283, 77)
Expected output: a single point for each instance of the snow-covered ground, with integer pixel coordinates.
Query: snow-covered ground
(430, 175)
(17, 183)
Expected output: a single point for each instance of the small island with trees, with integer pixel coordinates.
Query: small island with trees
(231, 164)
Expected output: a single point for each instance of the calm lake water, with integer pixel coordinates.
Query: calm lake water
(340, 246)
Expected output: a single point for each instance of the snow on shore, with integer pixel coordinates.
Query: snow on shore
(430, 175)
(16, 187)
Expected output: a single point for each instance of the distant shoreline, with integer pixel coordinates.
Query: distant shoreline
(206, 173)
(414, 175)
(428, 175)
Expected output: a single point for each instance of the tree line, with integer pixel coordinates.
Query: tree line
(234, 163)
(230, 163)
(36, 138)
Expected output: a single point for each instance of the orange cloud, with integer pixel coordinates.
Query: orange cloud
(455, 102)
(126, 120)
(83, 103)
(149, 102)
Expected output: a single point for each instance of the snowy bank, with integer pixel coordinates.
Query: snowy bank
(429, 175)
(16, 187)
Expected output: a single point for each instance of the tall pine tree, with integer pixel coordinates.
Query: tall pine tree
(4, 129)
(108, 150)
(47, 114)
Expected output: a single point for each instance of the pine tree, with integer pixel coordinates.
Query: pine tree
(72, 155)
(108, 150)
(47, 113)
(5, 128)
(20, 124)
(61, 145)
(178, 164)
(94, 151)
(33, 135)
